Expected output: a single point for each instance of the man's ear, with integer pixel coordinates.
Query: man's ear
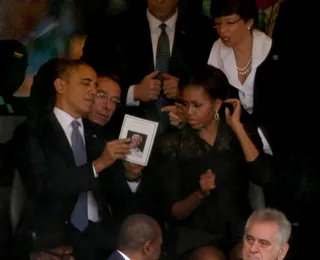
(147, 248)
(59, 85)
(283, 251)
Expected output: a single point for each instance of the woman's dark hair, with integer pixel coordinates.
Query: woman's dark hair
(212, 80)
(246, 9)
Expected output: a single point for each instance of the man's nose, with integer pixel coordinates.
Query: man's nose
(93, 90)
(106, 103)
(254, 248)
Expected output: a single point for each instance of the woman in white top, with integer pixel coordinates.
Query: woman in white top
(241, 48)
(239, 52)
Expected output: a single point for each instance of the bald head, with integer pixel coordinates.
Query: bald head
(137, 230)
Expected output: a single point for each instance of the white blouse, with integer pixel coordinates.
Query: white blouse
(223, 58)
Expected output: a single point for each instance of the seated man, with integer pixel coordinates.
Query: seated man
(51, 242)
(150, 50)
(130, 188)
(140, 238)
(266, 236)
(63, 158)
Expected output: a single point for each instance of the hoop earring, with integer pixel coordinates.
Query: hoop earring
(216, 116)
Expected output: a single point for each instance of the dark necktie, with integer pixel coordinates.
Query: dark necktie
(79, 216)
(162, 60)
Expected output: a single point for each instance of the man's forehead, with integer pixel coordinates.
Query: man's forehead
(82, 71)
(62, 249)
(263, 230)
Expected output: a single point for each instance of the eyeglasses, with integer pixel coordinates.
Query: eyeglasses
(104, 96)
(229, 24)
(67, 256)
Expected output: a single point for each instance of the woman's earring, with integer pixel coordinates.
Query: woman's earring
(249, 28)
(216, 116)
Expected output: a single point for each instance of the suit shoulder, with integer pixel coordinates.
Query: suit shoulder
(115, 256)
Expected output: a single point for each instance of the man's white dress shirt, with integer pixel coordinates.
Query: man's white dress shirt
(155, 32)
(65, 121)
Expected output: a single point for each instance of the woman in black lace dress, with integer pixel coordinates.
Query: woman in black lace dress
(207, 167)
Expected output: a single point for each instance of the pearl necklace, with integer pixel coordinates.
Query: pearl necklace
(246, 69)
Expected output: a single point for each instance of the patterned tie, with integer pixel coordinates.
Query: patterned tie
(162, 60)
(79, 216)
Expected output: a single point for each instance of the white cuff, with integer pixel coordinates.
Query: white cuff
(94, 172)
(130, 98)
(266, 146)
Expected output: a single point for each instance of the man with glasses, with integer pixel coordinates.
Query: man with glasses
(51, 242)
(106, 101)
(59, 253)
(106, 109)
(150, 50)
(128, 190)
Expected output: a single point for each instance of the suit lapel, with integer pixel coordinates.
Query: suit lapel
(180, 39)
(116, 256)
(144, 45)
(56, 136)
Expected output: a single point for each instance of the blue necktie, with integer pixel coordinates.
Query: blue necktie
(162, 60)
(79, 216)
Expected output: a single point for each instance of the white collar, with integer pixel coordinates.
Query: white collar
(123, 255)
(154, 23)
(65, 119)
(260, 49)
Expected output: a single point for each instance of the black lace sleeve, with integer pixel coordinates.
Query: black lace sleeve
(260, 170)
(167, 152)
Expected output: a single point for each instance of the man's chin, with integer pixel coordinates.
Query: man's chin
(100, 119)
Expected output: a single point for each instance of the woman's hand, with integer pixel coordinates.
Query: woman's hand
(177, 114)
(207, 182)
(233, 119)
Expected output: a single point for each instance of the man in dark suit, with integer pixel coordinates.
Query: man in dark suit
(63, 156)
(133, 189)
(151, 51)
(140, 238)
(129, 188)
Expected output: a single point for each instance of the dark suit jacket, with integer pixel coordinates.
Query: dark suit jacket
(116, 256)
(123, 202)
(288, 96)
(125, 48)
(47, 168)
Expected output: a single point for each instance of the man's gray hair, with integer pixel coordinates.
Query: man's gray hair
(272, 215)
(137, 136)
